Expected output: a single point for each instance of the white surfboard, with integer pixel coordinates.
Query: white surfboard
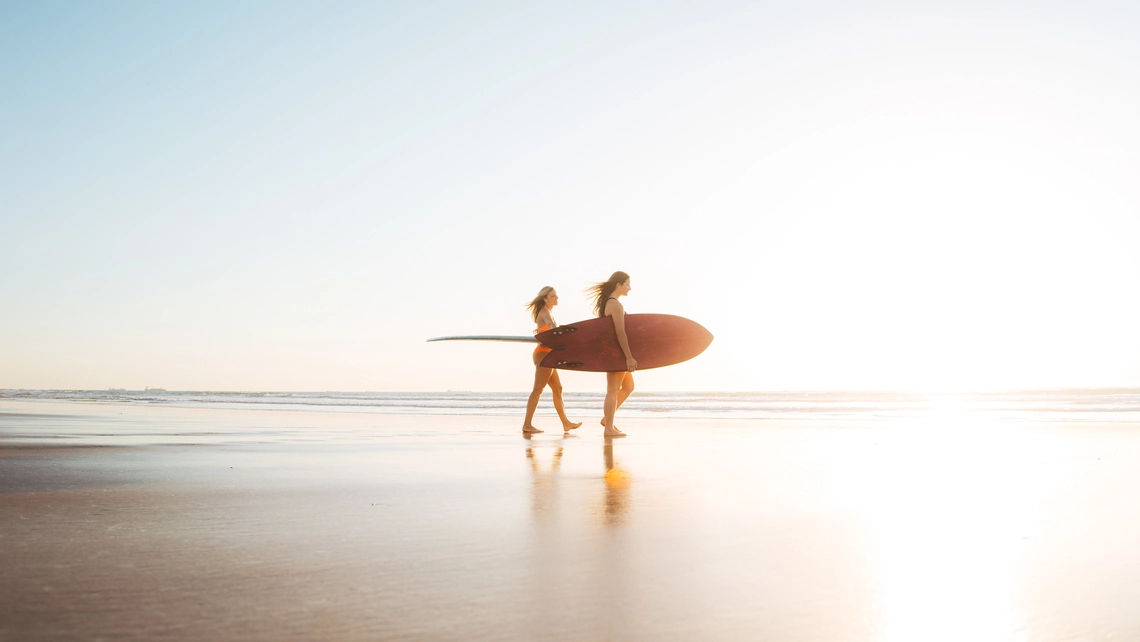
(488, 337)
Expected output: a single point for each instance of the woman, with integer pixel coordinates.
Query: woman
(540, 309)
(618, 384)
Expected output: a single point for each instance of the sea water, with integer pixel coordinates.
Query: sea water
(1078, 405)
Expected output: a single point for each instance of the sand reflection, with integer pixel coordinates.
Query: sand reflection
(546, 481)
(544, 496)
(617, 502)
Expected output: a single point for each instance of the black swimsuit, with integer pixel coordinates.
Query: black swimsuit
(612, 298)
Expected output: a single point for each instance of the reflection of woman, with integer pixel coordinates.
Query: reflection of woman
(540, 309)
(544, 496)
(617, 487)
(618, 384)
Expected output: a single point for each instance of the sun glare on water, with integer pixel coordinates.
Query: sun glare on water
(949, 505)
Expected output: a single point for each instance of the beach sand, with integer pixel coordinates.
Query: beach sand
(158, 523)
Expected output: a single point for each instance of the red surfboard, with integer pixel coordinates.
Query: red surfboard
(656, 340)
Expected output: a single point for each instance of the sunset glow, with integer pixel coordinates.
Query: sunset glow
(854, 199)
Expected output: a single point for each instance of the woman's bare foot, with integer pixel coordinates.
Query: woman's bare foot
(611, 432)
(568, 426)
(530, 430)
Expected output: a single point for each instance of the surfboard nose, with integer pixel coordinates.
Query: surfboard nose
(699, 338)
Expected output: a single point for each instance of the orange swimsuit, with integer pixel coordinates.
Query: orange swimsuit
(541, 349)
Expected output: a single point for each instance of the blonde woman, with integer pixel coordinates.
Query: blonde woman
(540, 309)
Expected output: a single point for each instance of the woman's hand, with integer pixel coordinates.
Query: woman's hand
(630, 364)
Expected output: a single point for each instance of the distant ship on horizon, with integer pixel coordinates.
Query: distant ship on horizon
(149, 389)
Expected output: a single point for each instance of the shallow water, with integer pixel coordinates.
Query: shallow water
(188, 523)
(1100, 405)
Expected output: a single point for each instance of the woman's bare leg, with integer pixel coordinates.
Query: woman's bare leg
(623, 392)
(626, 389)
(556, 391)
(613, 386)
(541, 376)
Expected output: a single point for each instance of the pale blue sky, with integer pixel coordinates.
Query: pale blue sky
(294, 196)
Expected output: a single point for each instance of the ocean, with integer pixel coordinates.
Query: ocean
(1100, 405)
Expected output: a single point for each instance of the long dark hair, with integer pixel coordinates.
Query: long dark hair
(539, 302)
(602, 291)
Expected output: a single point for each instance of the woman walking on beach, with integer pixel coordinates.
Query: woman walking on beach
(540, 309)
(618, 384)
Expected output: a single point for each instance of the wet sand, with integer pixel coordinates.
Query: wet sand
(125, 522)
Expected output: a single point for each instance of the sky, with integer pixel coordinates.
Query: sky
(295, 196)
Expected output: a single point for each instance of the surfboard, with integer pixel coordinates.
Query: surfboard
(656, 340)
(488, 337)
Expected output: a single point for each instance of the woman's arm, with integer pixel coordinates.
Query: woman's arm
(617, 311)
(545, 318)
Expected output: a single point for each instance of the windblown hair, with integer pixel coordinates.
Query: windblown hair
(604, 290)
(539, 302)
